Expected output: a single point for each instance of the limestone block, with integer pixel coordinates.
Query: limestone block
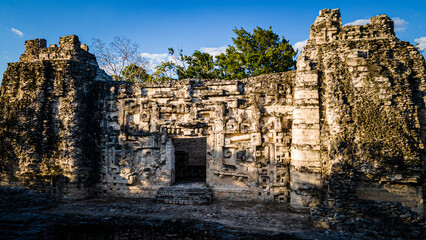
(302, 94)
(305, 158)
(303, 201)
(239, 137)
(220, 140)
(306, 136)
(256, 139)
(305, 189)
(306, 115)
(306, 79)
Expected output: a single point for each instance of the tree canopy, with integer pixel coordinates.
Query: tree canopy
(253, 54)
(256, 53)
(134, 73)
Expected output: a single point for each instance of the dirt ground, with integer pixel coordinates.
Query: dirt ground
(276, 218)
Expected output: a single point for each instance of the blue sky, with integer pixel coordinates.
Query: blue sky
(188, 25)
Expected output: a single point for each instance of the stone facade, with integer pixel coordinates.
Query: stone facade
(347, 126)
(245, 126)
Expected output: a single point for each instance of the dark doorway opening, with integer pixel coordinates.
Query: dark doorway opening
(190, 159)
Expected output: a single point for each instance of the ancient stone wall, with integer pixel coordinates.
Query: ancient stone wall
(346, 129)
(246, 123)
(365, 89)
(44, 127)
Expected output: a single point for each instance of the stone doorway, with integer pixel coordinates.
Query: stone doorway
(190, 159)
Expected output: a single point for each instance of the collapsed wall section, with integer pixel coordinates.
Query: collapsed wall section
(246, 126)
(45, 126)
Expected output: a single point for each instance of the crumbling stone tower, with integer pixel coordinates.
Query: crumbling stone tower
(45, 127)
(359, 109)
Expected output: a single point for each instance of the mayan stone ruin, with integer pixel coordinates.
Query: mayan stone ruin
(341, 134)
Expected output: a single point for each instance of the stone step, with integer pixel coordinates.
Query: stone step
(14, 226)
(184, 195)
(10, 234)
(11, 226)
(21, 231)
(11, 230)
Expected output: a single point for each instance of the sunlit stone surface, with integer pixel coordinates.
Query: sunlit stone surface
(345, 130)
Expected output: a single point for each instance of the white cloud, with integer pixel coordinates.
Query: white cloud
(422, 43)
(155, 59)
(358, 22)
(17, 32)
(299, 45)
(400, 24)
(214, 51)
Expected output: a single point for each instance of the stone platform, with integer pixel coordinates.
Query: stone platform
(185, 193)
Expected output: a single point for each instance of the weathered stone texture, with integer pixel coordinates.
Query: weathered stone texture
(371, 108)
(245, 124)
(45, 131)
(346, 130)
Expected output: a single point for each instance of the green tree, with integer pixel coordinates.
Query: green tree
(198, 65)
(260, 52)
(229, 65)
(256, 53)
(134, 73)
(164, 72)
